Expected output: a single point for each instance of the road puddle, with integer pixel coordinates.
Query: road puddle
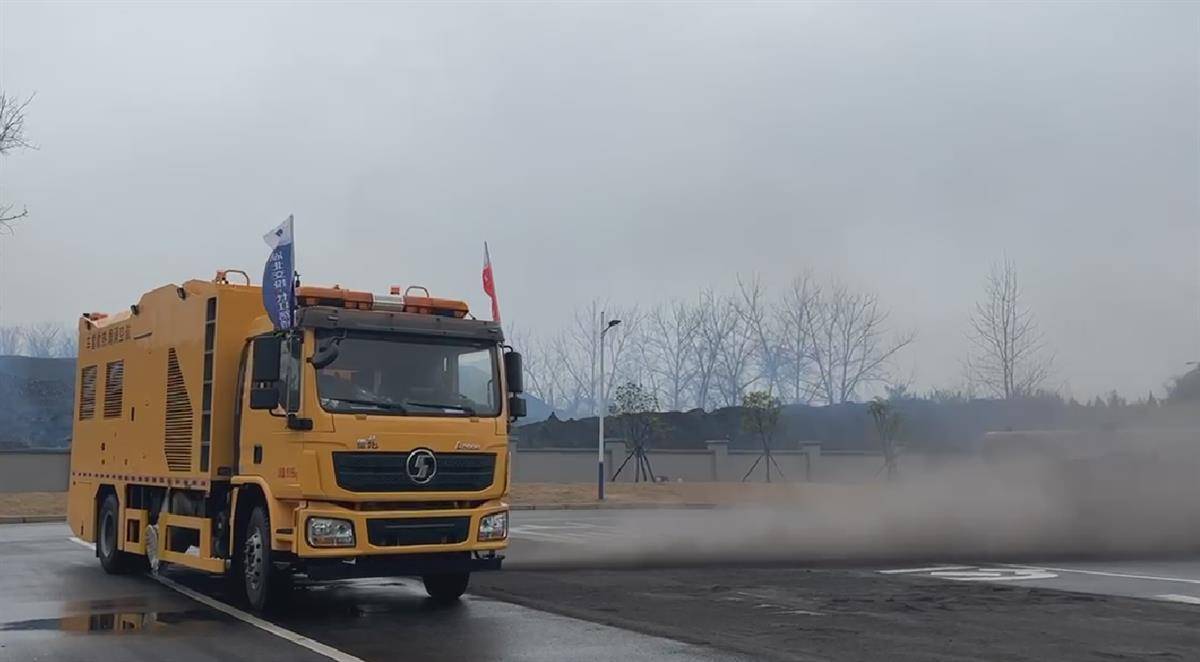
(123, 622)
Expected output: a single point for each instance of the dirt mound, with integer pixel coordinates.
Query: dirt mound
(36, 397)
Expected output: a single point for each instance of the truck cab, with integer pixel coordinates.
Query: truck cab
(382, 439)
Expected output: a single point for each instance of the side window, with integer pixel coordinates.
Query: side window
(475, 376)
(289, 372)
(87, 392)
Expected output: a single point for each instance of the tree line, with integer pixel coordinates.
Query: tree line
(42, 340)
(812, 341)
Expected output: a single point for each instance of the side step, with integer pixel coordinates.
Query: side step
(170, 525)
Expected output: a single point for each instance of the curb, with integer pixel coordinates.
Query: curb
(33, 519)
(38, 519)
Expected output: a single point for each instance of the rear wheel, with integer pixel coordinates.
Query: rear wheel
(112, 559)
(446, 587)
(263, 583)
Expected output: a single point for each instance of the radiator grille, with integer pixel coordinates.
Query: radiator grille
(180, 426)
(386, 472)
(87, 392)
(114, 378)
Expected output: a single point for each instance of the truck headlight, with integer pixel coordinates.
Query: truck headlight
(329, 532)
(494, 526)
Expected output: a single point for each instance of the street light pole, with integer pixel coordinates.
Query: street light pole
(603, 408)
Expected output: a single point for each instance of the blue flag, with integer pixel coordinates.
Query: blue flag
(279, 277)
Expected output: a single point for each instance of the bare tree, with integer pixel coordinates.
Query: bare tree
(535, 360)
(671, 341)
(12, 137)
(578, 380)
(1009, 356)
(572, 359)
(68, 344)
(10, 340)
(621, 354)
(712, 327)
(759, 326)
(721, 354)
(850, 344)
(576, 356)
(792, 314)
(734, 374)
(42, 340)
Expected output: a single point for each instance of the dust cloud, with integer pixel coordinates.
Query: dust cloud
(1084, 498)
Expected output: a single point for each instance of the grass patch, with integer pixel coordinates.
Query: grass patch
(33, 504)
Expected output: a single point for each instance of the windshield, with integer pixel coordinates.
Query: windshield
(391, 374)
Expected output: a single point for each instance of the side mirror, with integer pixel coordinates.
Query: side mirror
(295, 422)
(266, 359)
(264, 372)
(516, 407)
(513, 372)
(325, 355)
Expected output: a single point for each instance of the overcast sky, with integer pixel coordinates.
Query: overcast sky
(628, 151)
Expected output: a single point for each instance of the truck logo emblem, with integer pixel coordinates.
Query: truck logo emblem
(421, 466)
(466, 446)
(367, 443)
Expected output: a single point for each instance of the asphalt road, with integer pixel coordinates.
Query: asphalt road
(615, 539)
(592, 585)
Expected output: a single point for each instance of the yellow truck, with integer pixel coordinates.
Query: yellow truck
(370, 439)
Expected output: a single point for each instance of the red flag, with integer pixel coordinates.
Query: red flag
(489, 282)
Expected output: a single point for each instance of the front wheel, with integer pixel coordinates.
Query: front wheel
(262, 581)
(446, 587)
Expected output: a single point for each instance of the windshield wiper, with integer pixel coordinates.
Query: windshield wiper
(389, 406)
(466, 409)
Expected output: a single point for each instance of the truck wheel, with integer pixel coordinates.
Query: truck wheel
(262, 581)
(446, 587)
(113, 560)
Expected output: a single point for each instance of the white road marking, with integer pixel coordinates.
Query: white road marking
(1175, 597)
(938, 568)
(249, 619)
(89, 545)
(970, 573)
(572, 533)
(1101, 573)
(996, 575)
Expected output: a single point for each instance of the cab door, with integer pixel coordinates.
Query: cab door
(271, 430)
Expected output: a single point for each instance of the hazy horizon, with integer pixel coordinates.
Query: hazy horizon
(627, 152)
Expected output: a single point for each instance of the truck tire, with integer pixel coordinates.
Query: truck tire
(112, 559)
(262, 582)
(447, 587)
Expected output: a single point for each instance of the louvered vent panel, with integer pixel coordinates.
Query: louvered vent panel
(180, 419)
(114, 389)
(87, 392)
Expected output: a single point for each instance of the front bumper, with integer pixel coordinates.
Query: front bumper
(400, 565)
(400, 532)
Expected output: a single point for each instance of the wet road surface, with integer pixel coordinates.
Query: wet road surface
(559, 600)
(590, 539)
(57, 604)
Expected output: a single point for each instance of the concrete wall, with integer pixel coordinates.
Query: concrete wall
(715, 463)
(47, 471)
(34, 471)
